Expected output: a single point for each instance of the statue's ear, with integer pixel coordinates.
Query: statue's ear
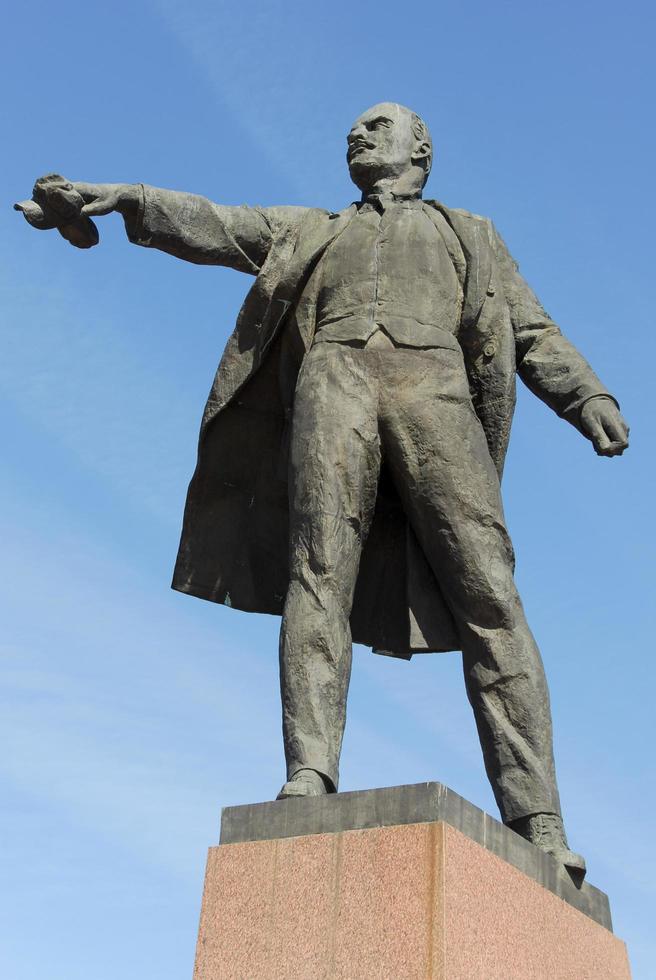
(422, 156)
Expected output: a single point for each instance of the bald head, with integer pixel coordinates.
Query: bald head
(389, 144)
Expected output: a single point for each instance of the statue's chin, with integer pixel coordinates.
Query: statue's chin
(365, 175)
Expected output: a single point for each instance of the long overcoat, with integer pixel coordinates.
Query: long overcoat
(234, 545)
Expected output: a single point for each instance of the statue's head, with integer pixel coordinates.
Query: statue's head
(389, 141)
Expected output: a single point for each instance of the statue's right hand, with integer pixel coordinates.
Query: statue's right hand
(59, 203)
(102, 199)
(56, 203)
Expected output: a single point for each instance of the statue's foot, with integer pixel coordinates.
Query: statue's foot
(305, 782)
(546, 831)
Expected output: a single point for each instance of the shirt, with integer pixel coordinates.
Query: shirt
(390, 269)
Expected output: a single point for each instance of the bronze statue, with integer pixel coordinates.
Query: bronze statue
(354, 438)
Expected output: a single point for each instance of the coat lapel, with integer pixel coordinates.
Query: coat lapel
(473, 238)
(312, 243)
(450, 239)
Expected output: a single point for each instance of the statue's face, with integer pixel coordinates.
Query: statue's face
(381, 143)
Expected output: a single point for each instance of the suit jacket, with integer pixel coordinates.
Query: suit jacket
(234, 544)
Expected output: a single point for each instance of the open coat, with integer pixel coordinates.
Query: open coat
(234, 545)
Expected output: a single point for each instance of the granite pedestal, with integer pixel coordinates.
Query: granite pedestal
(406, 882)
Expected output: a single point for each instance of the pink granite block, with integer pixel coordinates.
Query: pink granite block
(235, 915)
(302, 903)
(385, 923)
(392, 903)
(502, 925)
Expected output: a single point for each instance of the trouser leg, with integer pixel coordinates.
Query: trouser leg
(436, 448)
(334, 465)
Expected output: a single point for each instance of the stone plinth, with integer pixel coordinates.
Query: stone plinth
(403, 894)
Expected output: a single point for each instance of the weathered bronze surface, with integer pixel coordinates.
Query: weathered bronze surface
(354, 438)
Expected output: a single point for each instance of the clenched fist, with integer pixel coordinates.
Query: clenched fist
(603, 424)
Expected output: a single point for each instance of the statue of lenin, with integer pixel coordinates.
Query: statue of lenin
(353, 442)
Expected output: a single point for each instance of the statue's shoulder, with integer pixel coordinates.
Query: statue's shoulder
(289, 216)
(460, 215)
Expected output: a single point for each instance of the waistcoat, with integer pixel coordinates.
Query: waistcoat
(390, 270)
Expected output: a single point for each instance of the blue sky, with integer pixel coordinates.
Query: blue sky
(130, 714)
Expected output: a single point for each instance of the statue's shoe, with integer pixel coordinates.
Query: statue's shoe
(305, 782)
(546, 831)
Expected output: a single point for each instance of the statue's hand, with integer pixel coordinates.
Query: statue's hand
(603, 424)
(57, 204)
(102, 199)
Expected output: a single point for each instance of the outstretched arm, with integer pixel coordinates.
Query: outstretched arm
(190, 226)
(552, 367)
(185, 225)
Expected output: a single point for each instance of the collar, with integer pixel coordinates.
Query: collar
(380, 202)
